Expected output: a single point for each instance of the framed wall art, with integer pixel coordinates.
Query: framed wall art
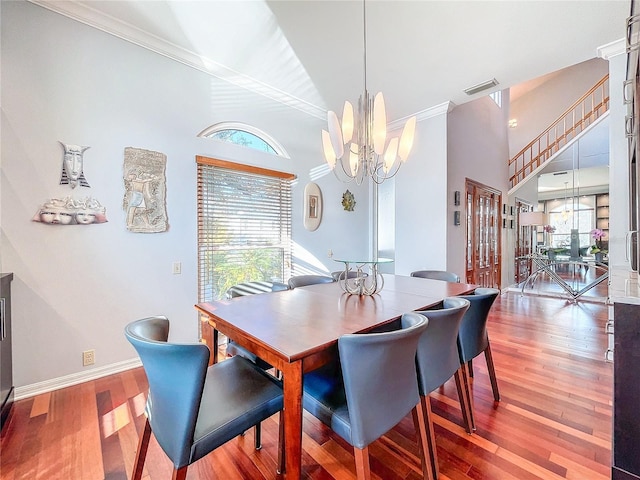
(312, 206)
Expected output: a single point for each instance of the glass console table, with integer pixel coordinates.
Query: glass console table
(542, 265)
(362, 277)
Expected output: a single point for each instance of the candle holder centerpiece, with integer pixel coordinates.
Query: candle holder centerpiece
(362, 277)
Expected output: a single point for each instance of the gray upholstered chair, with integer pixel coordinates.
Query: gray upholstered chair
(251, 288)
(437, 275)
(371, 389)
(304, 280)
(191, 408)
(338, 275)
(473, 338)
(437, 361)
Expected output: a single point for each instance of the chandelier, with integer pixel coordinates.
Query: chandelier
(357, 147)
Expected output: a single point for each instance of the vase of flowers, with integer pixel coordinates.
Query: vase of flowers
(548, 230)
(596, 248)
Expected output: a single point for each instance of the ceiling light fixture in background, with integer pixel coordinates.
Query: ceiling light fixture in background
(357, 144)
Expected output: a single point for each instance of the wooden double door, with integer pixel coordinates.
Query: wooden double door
(483, 242)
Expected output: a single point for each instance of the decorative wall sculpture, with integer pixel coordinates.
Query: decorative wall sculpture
(145, 190)
(73, 166)
(348, 201)
(71, 211)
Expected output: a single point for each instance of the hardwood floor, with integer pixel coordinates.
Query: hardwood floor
(553, 421)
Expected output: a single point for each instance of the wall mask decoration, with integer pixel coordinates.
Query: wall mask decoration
(71, 211)
(145, 191)
(312, 206)
(348, 201)
(73, 166)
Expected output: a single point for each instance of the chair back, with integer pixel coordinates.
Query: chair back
(379, 375)
(472, 337)
(437, 357)
(304, 280)
(339, 275)
(437, 275)
(176, 376)
(252, 288)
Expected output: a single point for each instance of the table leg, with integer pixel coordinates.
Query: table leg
(209, 336)
(292, 378)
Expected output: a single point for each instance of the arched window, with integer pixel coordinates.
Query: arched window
(245, 135)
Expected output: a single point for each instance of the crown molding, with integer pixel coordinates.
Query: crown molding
(422, 115)
(612, 49)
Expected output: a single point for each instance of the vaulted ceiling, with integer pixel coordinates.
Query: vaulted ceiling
(310, 53)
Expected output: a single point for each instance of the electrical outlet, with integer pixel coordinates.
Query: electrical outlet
(88, 357)
(177, 268)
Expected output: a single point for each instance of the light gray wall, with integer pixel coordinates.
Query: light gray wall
(477, 150)
(75, 287)
(420, 199)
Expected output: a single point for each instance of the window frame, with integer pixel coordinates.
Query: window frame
(205, 203)
(265, 137)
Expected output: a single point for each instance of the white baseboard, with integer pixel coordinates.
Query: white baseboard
(74, 379)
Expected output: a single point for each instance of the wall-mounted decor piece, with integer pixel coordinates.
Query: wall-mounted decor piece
(456, 217)
(73, 166)
(71, 211)
(456, 198)
(145, 190)
(312, 206)
(348, 201)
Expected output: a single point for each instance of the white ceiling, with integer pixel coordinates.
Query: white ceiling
(309, 53)
(422, 54)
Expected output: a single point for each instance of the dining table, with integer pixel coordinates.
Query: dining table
(297, 331)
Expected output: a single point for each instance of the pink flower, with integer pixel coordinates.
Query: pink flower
(597, 234)
(549, 229)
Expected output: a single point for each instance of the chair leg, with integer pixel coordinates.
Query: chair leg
(467, 388)
(464, 395)
(141, 453)
(180, 473)
(258, 436)
(470, 368)
(363, 470)
(426, 438)
(281, 459)
(492, 373)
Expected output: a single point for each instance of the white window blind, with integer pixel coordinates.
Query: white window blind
(244, 226)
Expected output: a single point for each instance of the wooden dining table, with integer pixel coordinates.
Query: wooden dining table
(297, 330)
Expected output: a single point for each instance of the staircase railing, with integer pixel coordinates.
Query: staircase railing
(591, 106)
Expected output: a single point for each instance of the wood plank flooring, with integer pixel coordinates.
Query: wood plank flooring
(553, 422)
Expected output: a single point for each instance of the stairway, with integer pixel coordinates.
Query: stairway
(575, 120)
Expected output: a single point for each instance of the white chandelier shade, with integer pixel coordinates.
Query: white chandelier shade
(358, 148)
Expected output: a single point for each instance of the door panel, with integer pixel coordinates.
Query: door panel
(484, 254)
(522, 243)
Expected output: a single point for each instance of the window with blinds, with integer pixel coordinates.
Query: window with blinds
(244, 226)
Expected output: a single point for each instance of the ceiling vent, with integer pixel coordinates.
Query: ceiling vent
(481, 86)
